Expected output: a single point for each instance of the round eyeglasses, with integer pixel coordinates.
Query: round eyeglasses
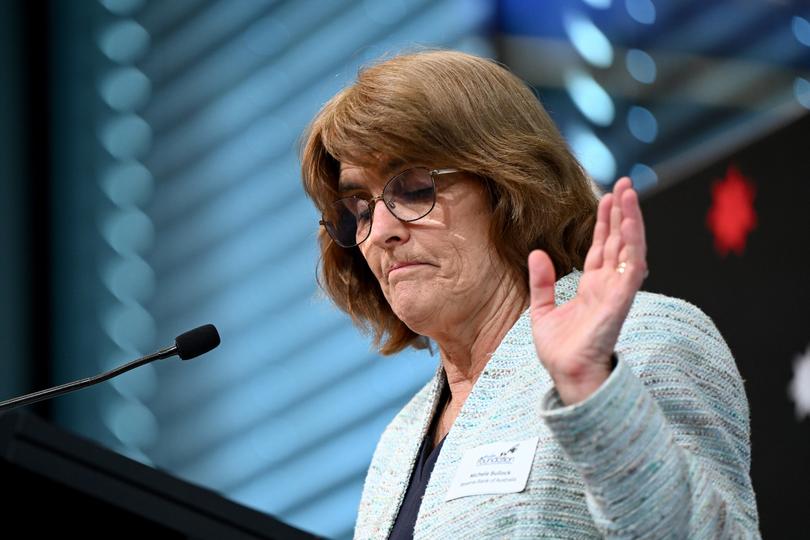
(410, 195)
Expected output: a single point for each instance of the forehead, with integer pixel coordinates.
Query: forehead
(353, 176)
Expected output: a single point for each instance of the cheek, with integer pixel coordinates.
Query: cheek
(467, 242)
(470, 263)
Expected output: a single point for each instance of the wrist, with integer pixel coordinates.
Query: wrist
(576, 386)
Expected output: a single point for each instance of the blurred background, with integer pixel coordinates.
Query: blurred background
(149, 183)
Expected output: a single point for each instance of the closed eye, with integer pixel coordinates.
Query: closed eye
(416, 195)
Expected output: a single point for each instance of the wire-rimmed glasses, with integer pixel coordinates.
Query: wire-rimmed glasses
(410, 195)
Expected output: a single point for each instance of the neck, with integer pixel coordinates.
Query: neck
(467, 347)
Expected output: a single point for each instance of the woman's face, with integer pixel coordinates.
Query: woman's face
(437, 271)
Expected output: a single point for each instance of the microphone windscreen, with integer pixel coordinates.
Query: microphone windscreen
(196, 342)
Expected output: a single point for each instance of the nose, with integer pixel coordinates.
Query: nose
(386, 229)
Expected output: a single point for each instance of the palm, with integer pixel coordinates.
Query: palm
(575, 341)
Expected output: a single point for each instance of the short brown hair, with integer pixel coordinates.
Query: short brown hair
(448, 109)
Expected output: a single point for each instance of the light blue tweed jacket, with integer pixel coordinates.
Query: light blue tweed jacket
(661, 450)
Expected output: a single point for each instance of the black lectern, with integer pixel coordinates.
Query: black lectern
(56, 482)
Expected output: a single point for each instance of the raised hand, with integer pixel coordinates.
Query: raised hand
(575, 341)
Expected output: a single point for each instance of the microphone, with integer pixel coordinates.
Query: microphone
(188, 345)
(195, 342)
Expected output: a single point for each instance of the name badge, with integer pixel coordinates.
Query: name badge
(493, 468)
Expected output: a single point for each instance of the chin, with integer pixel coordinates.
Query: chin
(416, 310)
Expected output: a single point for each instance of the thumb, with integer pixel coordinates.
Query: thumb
(541, 283)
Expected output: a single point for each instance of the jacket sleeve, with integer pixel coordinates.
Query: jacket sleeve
(663, 445)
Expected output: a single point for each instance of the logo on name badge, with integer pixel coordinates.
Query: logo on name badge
(506, 457)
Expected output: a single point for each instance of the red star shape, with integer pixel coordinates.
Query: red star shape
(732, 216)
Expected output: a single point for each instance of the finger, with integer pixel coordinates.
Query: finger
(622, 186)
(631, 210)
(634, 252)
(600, 233)
(613, 244)
(541, 283)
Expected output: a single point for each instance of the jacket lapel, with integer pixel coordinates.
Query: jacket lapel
(409, 438)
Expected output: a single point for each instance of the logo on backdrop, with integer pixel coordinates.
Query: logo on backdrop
(732, 216)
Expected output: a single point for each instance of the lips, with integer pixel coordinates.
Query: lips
(401, 264)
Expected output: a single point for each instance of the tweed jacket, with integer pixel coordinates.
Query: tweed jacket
(660, 450)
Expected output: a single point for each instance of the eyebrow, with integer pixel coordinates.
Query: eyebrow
(389, 168)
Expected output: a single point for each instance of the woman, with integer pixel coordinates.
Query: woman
(567, 408)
